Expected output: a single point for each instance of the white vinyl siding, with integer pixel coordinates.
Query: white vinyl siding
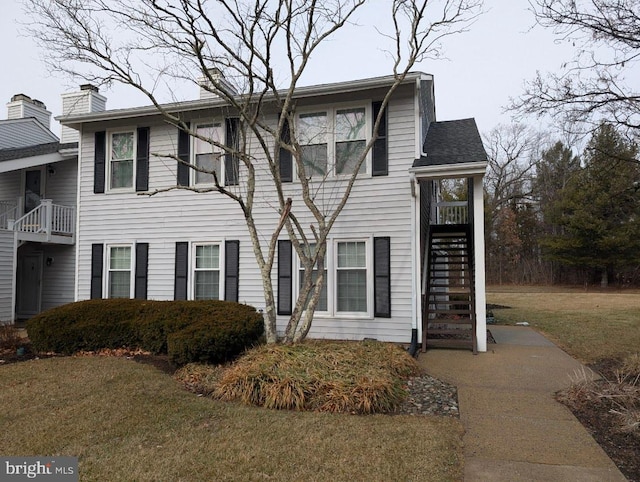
(182, 216)
(7, 275)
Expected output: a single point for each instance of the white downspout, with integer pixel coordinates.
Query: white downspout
(479, 265)
(415, 270)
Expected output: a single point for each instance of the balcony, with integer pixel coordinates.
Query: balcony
(452, 212)
(47, 223)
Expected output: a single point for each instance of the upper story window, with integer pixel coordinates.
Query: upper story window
(122, 160)
(332, 140)
(207, 155)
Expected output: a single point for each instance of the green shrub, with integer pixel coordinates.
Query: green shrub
(215, 342)
(96, 324)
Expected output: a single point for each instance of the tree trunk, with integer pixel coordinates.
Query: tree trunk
(604, 280)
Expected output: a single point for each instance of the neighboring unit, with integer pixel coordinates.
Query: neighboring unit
(387, 276)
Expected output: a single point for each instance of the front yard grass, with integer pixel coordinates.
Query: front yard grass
(589, 325)
(128, 421)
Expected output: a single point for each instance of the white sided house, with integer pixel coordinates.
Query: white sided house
(38, 199)
(401, 266)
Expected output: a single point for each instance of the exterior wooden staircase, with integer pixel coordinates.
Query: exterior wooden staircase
(448, 310)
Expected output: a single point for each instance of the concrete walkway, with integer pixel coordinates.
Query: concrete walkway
(514, 429)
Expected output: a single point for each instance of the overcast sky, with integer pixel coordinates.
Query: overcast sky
(485, 67)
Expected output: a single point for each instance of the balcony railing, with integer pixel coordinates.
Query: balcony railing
(453, 212)
(8, 211)
(48, 219)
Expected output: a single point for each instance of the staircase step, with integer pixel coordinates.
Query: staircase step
(449, 331)
(450, 312)
(449, 343)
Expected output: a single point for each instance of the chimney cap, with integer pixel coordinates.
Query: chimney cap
(89, 87)
(19, 97)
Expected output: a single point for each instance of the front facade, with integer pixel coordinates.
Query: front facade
(179, 244)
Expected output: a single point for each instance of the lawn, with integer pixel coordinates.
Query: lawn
(128, 421)
(590, 325)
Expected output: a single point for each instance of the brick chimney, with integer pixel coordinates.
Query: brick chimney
(84, 101)
(22, 106)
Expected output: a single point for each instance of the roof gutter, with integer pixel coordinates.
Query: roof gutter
(74, 121)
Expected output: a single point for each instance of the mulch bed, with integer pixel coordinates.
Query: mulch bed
(596, 416)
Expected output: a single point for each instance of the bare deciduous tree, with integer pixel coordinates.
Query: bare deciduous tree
(595, 84)
(263, 47)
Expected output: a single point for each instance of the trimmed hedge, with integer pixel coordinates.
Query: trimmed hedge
(189, 331)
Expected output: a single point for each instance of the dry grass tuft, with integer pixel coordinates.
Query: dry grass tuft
(363, 377)
(10, 338)
(199, 378)
(620, 396)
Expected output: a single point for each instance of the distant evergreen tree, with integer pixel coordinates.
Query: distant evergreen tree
(597, 212)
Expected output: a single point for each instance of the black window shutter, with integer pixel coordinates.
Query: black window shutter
(380, 162)
(231, 161)
(181, 271)
(97, 259)
(286, 161)
(231, 270)
(184, 154)
(285, 269)
(382, 277)
(99, 161)
(142, 263)
(142, 160)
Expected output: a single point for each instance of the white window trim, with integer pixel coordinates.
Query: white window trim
(368, 243)
(193, 140)
(107, 271)
(328, 281)
(110, 133)
(191, 278)
(330, 110)
(331, 265)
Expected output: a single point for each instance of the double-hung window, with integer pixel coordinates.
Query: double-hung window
(350, 139)
(351, 277)
(119, 272)
(322, 305)
(313, 141)
(208, 155)
(332, 140)
(206, 272)
(122, 159)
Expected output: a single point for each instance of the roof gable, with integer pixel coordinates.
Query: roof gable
(24, 132)
(452, 142)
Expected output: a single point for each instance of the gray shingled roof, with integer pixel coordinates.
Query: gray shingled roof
(21, 153)
(452, 142)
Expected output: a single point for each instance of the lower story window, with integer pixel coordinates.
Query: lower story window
(119, 273)
(322, 301)
(206, 275)
(351, 276)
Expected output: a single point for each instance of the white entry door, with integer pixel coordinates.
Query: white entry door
(29, 282)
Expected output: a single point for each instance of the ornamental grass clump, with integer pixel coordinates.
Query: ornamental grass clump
(354, 377)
